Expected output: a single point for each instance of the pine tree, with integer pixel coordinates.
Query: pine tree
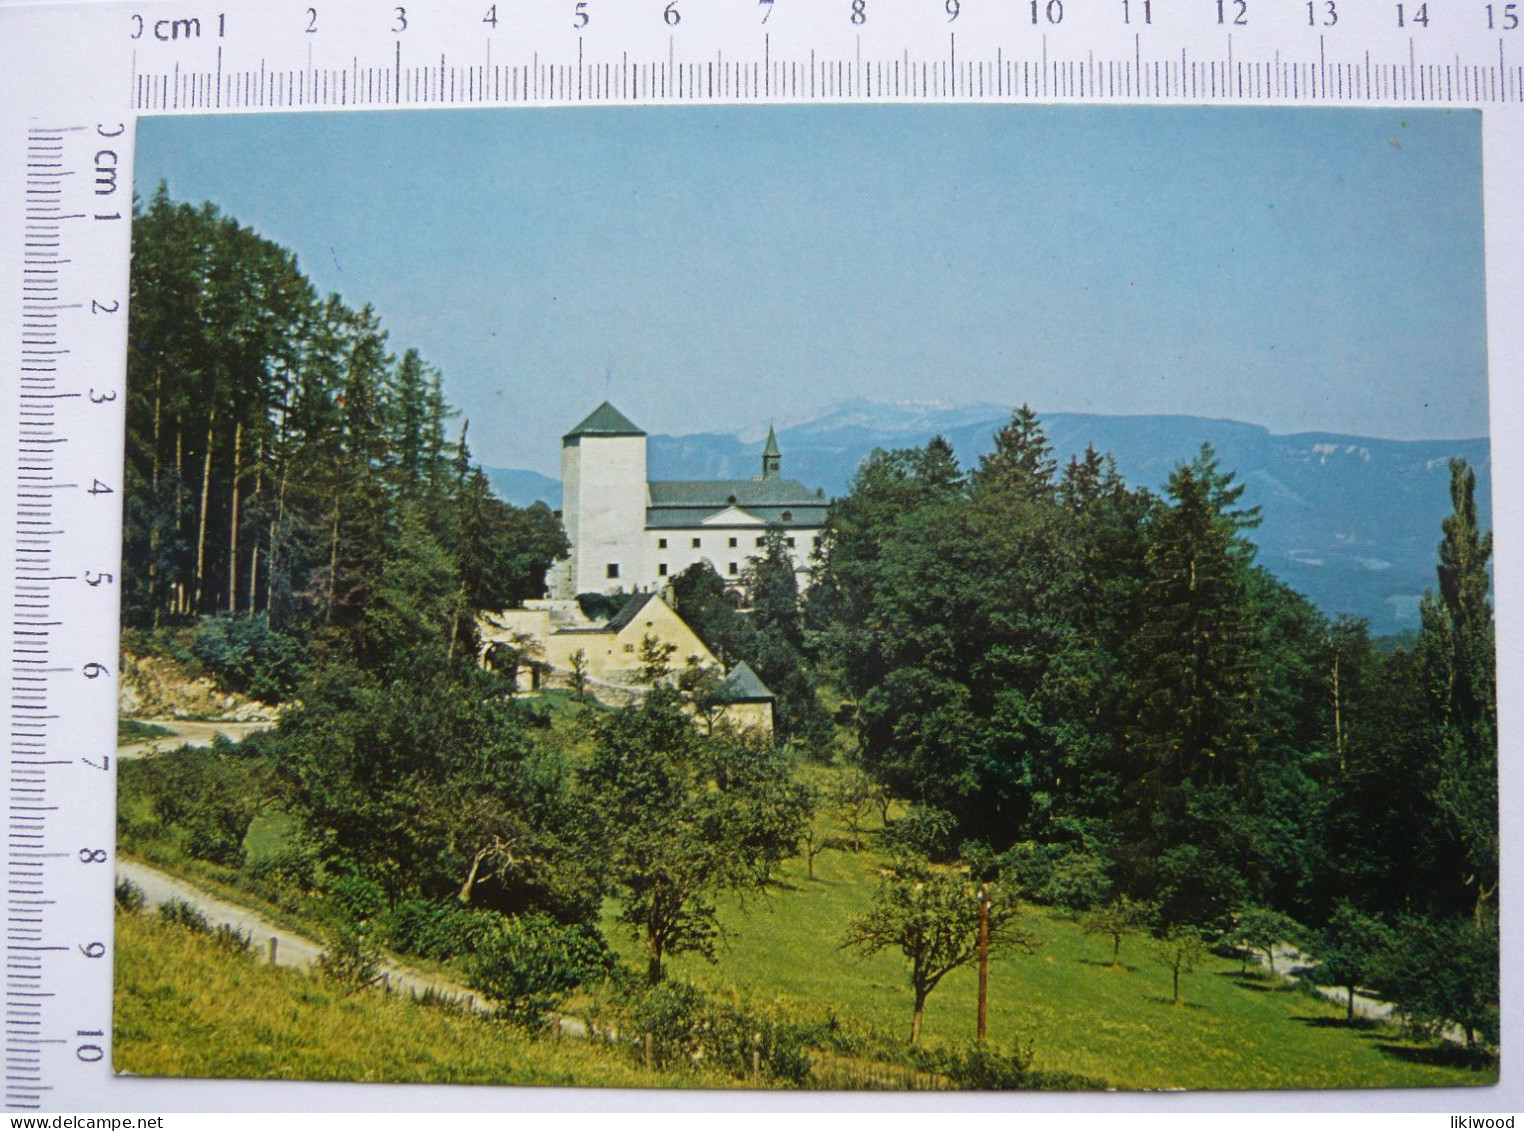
(1022, 462)
(1201, 628)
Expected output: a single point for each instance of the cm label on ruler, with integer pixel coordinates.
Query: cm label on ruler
(339, 54)
(67, 516)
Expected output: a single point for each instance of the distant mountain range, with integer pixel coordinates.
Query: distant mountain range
(1350, 521)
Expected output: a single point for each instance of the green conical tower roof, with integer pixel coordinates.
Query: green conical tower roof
(605, 420)
(772, 458)
(743, 685)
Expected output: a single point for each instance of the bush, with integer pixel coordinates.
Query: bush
(242, 653)
(601, 606)
(439, 930)
(528, 961)
(1443, 972)
(981, 1067)
(202, 800)
(924, 831)
(179, 913)
(1058, 875)
(292, 868)
(130, 897)
(686, 1027)
(351, 957)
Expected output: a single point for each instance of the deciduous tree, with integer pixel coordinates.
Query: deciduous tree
(931, 916)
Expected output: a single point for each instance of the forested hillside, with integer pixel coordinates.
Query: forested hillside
(1094, 689)
(281, 456)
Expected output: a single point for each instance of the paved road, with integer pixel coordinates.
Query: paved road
(184, 732)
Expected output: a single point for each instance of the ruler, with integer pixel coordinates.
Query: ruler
(73, 79)
(738, 51)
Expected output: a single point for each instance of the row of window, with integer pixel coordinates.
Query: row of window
(732, 568)
(698, 543)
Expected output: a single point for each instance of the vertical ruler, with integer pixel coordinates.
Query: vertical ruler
(66, 211)
(61, 661)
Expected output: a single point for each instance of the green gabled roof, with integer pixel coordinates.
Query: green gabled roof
(605, 420)
(743, 686)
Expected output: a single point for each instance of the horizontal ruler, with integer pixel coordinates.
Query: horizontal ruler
(468, 52)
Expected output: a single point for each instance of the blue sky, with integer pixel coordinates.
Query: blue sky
(712, 268)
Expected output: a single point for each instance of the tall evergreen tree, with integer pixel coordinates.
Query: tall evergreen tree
(1022, 460)
(1459, 666)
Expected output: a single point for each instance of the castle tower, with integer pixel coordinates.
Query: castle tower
(603, 503)
(772, 458)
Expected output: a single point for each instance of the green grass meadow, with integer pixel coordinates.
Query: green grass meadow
(1115, 1025)
(185, 1009)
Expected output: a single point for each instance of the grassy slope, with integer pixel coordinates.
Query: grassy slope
(185, 1008)
(1082, 1016)
(1116, 1025)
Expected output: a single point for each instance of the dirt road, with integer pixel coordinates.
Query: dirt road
(184, 732)
(291, 949)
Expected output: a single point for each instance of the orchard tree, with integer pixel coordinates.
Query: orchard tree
(1444, 972)
(1116, 920)
(1262, 929)
(681, 817)
(1179, 949)
(1351, 952)
(931, 916)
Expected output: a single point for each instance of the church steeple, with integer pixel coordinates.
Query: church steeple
(772, 458)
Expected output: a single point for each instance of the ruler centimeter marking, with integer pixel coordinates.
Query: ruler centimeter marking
(339, 55)
(65, 516)
(730, 80)
(32, 622)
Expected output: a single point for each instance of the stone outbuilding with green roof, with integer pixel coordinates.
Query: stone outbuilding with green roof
(632, 533)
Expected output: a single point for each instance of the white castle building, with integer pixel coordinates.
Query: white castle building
(629, 532)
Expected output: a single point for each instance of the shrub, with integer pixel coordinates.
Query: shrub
(1443, 972)
(1058, 875)
(294, 868)
(528, 961)
(440, 930)
(230, 938)
(981, 1067)
(923, 831)
(130, 897)
(686, 1027)
(242, 653)
(351, 957)
(203, 800)
(179, 913)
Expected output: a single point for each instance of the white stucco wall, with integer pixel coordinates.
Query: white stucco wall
(714, 547)
(603, 485)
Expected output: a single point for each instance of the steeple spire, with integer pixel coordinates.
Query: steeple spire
(772, 458)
